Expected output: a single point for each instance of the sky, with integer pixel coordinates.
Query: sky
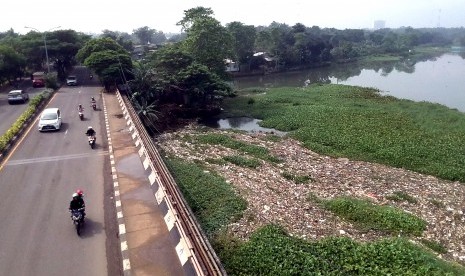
(94, 16)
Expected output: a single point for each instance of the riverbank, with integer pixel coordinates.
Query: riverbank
(289, 181)
(284, 193)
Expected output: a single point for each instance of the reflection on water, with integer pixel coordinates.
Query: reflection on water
(435, 79)
(241, 123)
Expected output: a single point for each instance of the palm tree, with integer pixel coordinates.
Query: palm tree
(146, 112)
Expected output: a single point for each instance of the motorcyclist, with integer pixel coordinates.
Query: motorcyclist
(93, 103)
(77, 203)
(90, 131)
(81, 199)
(80, 108)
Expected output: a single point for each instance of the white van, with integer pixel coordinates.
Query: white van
(50, 119)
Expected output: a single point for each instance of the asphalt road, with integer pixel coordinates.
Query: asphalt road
(37, 180)
(10, 112)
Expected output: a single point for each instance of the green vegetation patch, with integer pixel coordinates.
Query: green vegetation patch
(362, 124)
(371, 216)
(435, 246)
(299, 179)
(211, 198)
(270, 251)
(229, 142)
(402, 196)
(243, 161)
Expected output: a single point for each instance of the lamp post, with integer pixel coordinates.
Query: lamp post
(45, 43)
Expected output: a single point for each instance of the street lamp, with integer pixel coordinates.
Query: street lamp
(45, 43)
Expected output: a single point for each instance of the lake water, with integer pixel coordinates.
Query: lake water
(437, 80)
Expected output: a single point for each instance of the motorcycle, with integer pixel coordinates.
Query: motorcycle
(81, 115)
(91, 140)
(78, 219)
(94, 106)
(91, 76)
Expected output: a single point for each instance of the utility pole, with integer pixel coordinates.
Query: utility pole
(44, 34)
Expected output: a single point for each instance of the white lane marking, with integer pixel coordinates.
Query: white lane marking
(54, 158)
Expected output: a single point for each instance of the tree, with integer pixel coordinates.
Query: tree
(62, 46)
(182, 80)
(111, 62)
(209, 44)
(191, 15)
(11, 64)
(144, 34)
(146, 111)
(123, 39)
(243, 40)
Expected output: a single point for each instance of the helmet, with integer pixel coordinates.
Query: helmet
(79, 192)
(75, 195)
(80, 105)
(92, 98)
(89, 127)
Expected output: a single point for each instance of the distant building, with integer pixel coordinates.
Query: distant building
(231, 66)
(379, 24)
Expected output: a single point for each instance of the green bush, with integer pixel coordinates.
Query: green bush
(14, 130)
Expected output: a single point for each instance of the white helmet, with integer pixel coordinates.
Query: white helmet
(89, 127)
(75, 195)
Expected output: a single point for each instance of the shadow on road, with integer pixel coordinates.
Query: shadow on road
(91, 228)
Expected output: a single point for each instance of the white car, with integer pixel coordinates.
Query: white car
(50, 119)
(71, 81)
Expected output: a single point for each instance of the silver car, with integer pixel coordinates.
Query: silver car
(17, 96)
(71, 81)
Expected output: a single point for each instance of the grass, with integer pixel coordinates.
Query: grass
(298, 179)
(243, 161)
(229, 142)
(435, 246)
(213, 201)
(402, 196)
(370, 216)
(340, 121)
(271, 251)
(361, 124)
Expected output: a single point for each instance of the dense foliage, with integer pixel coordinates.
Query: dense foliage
(108, 59)
(271, 251)
(212, 200)
(20, 55)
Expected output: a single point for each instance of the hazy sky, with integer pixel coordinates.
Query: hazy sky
(93, 16)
